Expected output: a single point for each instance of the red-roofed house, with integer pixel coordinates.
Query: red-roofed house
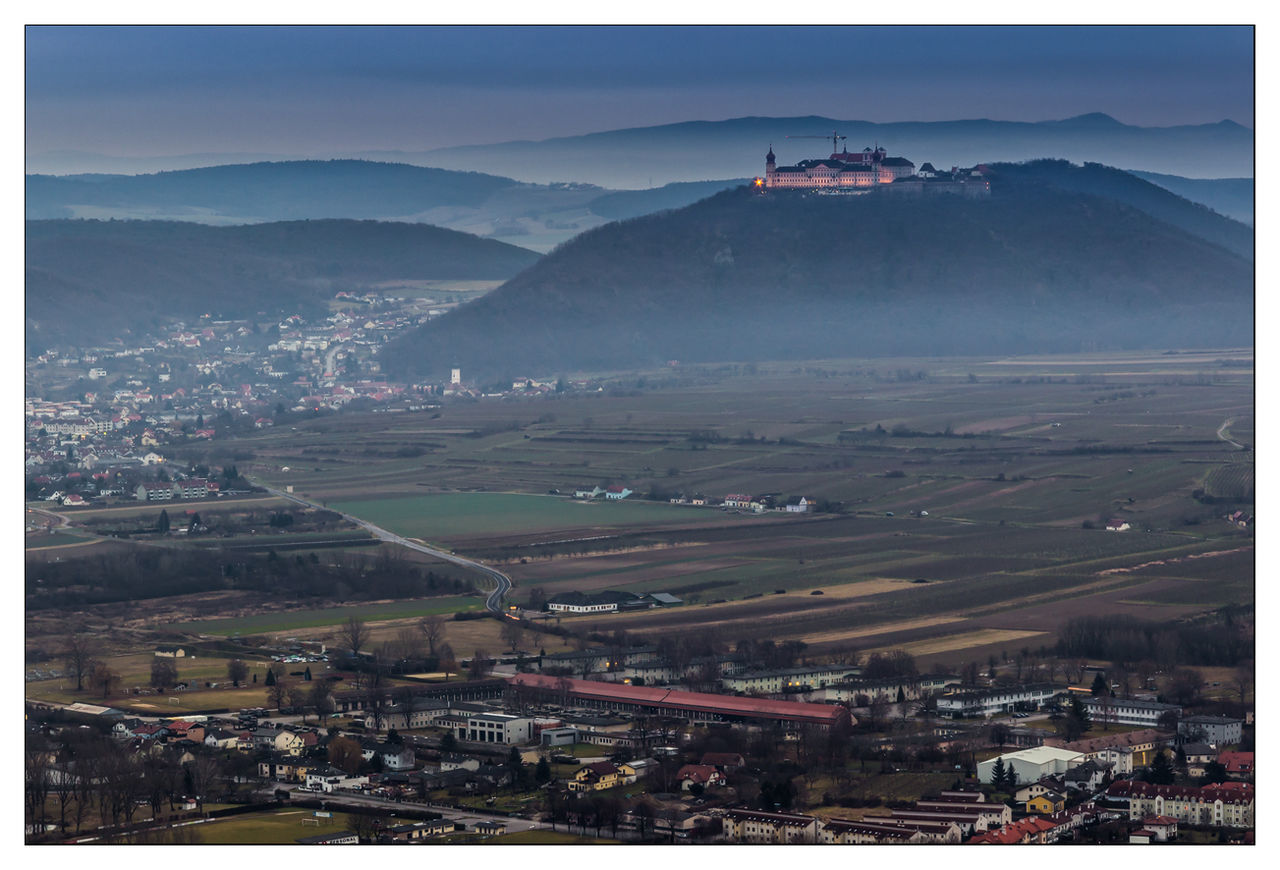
(727, 762)
(699, 774)
(1164, 828)
(1239, 764)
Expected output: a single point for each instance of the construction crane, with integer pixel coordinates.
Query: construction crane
(834, 137)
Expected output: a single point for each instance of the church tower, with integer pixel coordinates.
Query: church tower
(770, 167)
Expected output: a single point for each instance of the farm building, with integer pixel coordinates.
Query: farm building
(695, 706)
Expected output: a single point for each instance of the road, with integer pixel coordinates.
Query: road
(1222, 434)
(501, 582)
(335, 800)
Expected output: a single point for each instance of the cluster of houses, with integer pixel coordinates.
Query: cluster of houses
(797, 504)
(950, 817)
(733, 501)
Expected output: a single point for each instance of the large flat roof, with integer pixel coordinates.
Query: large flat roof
(730, 705)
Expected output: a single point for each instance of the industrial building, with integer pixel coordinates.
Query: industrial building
(694, 706)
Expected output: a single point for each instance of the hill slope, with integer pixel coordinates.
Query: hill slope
(1232, 197)
(92, 279)
(1128, 188)
(533, 216)
(741, 276)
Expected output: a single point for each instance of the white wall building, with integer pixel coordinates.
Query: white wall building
(1033, 764)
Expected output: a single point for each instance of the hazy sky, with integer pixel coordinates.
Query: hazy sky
(135, 91)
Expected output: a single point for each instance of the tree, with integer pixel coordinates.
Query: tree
(162, 524)
(1160, 771)
(80, 650)
(1011, 779)
(298, 698)
(37, 783)
(277, 692)
(479, 665)
(1099, 686)
(321, 697)
(237, 670)
(432, 628)
(1184, 686)
(345, 753)
(1214, 772)
(103, 678)
(998, 773)
(1243, 682)
(355, 635)
(448, 663)
(271, 677)
(164, 673)
(1077, 721)
(512, 632)
(542, 772)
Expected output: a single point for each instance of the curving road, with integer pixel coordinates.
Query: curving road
(501, 582)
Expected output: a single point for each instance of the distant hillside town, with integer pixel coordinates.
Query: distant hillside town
(871, 168)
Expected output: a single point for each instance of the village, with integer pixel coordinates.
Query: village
(640, 743)
(98, 419)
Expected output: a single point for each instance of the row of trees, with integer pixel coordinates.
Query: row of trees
(84, 778)
(152, 572)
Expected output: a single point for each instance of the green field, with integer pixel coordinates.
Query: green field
(276, 827)
(289, 621)
(452, 515)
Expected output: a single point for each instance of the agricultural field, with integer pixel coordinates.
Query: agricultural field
(289, 621)
(450, 516)
(965, 501)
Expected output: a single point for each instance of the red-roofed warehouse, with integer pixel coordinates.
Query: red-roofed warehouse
(695, 706)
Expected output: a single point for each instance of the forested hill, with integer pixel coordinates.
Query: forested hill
(89, 280)
(745, 276)
(1128, 188)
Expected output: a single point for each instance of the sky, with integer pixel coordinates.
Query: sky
(312, 90)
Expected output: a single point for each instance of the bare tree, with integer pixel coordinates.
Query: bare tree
(479, 665)
(321, 697)
(512, 632)
(1243, 682)
(448, 663)
(277, 692)
(345, 753)
(298, 698)
(204, 770)
(408, 644)
(80, 651)
(37, 782)
(164, 673)
(103, 678)
(432, 628)
(237, 671)
(354, 635)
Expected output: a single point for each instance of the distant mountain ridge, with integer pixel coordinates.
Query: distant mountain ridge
(89, 280)
(696, 150)
(742, 276)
